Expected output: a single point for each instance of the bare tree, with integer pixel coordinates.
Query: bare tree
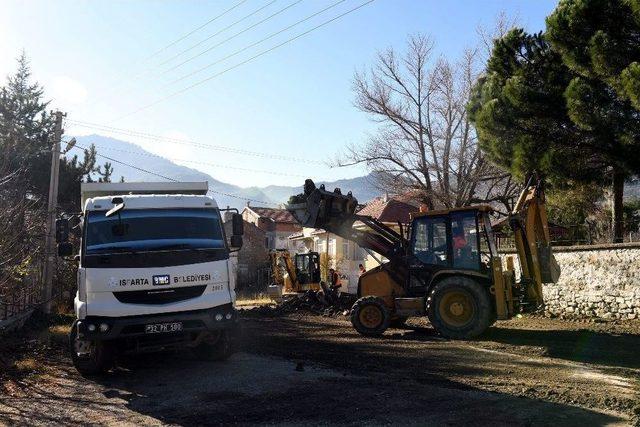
(425, 142)
(489, 34)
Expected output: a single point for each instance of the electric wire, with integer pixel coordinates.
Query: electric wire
(236, 196)
(264, 52)
(123, 79)
(149, 136)
(195, 30)
(255, 44)
(209, 49)
(147, 154)
(226, 28)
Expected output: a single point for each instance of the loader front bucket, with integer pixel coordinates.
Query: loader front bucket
(319, 208)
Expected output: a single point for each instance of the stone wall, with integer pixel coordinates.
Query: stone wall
(596, 281)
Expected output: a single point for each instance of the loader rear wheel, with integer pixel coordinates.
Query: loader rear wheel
(370, 317)
(459, 308)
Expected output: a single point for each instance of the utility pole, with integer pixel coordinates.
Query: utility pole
(50, 252)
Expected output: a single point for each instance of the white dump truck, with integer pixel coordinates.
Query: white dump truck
(154, 272)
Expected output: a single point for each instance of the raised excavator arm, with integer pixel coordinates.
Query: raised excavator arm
(335, 213)
(528, 221)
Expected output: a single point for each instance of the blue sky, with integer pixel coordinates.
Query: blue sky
(93, 59)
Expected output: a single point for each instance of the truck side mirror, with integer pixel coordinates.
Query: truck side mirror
(237, 225)
(65, 249)
(62, 230)
(235, 242)
(75, 225)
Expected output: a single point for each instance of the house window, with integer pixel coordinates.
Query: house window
(345, 250)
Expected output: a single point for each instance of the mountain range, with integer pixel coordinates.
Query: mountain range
(363, 188)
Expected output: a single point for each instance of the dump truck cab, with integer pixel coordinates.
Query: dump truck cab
(154, 272)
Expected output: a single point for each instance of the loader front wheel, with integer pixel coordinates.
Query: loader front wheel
(370, 317)
(459, 308)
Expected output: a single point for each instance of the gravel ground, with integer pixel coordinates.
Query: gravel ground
(316, 370)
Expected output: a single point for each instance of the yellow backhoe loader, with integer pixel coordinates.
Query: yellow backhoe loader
(295, 276)
(445, 265)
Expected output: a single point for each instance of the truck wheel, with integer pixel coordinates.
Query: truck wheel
(216, 347)
(459, 308)
(90, 357)
(370, 317)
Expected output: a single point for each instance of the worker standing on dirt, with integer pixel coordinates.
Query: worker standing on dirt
(334, 280)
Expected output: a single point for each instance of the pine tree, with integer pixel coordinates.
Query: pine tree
(26, 137)
(599, 41)
(532, 114)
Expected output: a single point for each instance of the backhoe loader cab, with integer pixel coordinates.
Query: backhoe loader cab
(308, 268)
(447, 265)
(459, 239)
(293, 276)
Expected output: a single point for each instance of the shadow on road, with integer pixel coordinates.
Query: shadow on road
(619, 350)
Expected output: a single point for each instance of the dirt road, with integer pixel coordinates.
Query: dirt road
(316, 370)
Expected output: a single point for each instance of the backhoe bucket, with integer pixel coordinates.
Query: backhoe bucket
(318, 208)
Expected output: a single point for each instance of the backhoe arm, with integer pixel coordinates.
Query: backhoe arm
(528, 220)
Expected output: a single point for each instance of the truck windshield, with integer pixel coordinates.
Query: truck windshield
(153, 229)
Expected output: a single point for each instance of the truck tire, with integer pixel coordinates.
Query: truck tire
(370, 316)
(459, 308)
(217, 347)
(99, 357)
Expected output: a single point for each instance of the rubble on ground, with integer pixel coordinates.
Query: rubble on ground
(310, 302)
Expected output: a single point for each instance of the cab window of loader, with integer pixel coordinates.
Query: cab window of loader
(430, 240)
(464, 236)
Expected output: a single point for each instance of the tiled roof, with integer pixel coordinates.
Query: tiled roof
(277, 215)
(390, 210)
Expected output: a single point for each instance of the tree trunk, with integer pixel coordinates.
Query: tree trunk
(617, 211)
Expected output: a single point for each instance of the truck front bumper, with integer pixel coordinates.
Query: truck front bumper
(93, 327)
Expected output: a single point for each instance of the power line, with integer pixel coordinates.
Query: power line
(139, 75)
(256, 43)
(221, 31)
(146, 154)
(144, 135)
(225, 40)
(264, 52)
(195, 30)
(169, 178)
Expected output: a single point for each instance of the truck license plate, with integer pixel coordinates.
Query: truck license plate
(161, 328)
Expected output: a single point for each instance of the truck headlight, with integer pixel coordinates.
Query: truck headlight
(104, 327)
(91, 327)
(219, 317)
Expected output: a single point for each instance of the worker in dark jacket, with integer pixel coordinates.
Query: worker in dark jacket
(334, 280)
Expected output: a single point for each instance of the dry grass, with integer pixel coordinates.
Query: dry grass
(258, 300)
(27, 365)
(59, 333)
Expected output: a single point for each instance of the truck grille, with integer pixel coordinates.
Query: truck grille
(160, 296)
